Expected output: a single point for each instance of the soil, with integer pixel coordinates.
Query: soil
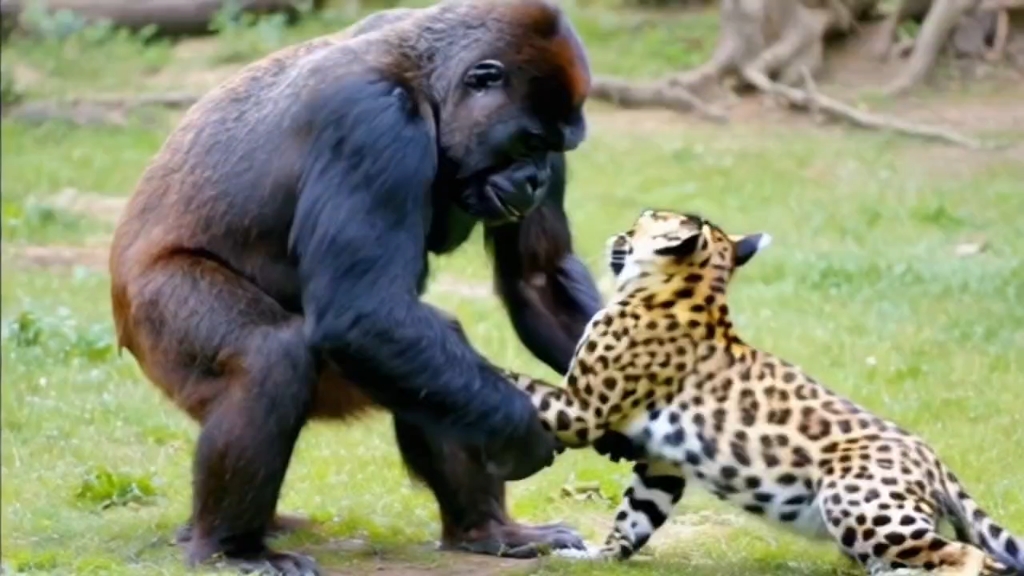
(51, 256)
(449, 563)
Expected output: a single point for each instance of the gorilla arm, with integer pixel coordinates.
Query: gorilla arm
(548, 292)
(359, 239)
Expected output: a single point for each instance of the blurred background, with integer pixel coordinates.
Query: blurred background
(881, 143)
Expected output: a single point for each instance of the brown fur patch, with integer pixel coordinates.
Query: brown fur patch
(563, 50)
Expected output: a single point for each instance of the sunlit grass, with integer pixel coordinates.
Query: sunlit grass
(861, 287)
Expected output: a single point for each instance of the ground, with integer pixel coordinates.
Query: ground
(896, 277)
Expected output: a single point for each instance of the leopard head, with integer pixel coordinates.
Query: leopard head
(662, 244)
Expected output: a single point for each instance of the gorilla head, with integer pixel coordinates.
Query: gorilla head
(505, 104)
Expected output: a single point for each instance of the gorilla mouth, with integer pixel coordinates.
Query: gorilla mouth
(508, 210)
(503, 202)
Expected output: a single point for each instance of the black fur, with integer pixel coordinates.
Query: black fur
(548, 320)
(359, 238)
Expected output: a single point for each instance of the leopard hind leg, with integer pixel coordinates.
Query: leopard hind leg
(887, 530)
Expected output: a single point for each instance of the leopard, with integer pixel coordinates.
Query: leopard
(663, 366)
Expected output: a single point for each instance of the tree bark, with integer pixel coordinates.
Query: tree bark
(936, 30)
(172, 17)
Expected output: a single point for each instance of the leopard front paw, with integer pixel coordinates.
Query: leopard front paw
(617, 446)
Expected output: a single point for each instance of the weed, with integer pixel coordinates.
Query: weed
(105, 488)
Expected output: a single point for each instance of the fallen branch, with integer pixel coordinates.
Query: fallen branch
(652, 94)
(997, 5)
(94, 110)
(810, 99)
(174, 17)
(174, 101)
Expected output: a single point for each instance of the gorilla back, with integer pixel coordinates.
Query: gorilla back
(268, 268)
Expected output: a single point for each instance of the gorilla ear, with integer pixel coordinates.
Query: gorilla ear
(749, 245)
(685, 247)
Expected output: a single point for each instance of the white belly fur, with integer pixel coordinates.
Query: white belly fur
(809, 521)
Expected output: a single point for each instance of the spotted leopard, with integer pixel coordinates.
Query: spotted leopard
(663, 365)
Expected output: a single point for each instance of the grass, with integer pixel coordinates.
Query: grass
(860, 287)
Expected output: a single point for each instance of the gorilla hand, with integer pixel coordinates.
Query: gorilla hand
(520, 457)
(509, 194)
(524, 455)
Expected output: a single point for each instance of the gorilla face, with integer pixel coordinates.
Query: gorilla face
(506, 115)
(508, 194)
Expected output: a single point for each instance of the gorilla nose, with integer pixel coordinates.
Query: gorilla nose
(572, 136)
(518, 189)
(533, 182)
(522, 198)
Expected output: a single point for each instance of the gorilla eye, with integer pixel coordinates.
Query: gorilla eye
(486, 74)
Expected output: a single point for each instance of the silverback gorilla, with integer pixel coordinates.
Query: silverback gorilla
(269, 266)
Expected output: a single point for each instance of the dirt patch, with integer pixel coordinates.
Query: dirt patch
(94, 258)
(360, 557)
(953, 163)
(751, 111)
(1001, 113)
(682, 531)
(984, 98)
(25, 76)
(193, 67)
(89, 204)
(449, 564)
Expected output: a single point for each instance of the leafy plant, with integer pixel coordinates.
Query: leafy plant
(105, 488)
(245, 35)
(60, 336)
(9, 93)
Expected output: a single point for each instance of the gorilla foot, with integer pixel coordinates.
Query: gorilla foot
(268, 563)
(517, 540)
(281, 525)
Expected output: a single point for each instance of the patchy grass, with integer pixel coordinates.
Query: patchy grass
(861, 287)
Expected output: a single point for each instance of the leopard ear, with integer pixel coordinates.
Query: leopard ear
(749, 245)
(685, 247)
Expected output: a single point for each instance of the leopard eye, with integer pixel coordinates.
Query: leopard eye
(484, 75)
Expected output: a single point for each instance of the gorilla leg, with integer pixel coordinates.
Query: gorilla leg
(472, 501)
(281, 525)
(233, 359)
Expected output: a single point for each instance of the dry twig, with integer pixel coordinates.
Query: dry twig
(171, 100)
(998, 5)
(813, 100)
(95, 110)
(653, 94)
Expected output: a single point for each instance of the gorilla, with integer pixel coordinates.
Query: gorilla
(268, 268)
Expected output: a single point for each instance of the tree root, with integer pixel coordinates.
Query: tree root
(95, 110)
(776, 46)
(819, 104)
(942, 20)
(172, 17)
(936, 30)
(652, 94)
(1002, 32)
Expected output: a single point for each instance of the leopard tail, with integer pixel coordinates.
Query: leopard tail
(974, 526)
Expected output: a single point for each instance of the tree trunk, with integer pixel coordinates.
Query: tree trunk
(936, 30)
(172, 17)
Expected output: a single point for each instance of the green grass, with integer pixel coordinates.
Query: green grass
(861, 288)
